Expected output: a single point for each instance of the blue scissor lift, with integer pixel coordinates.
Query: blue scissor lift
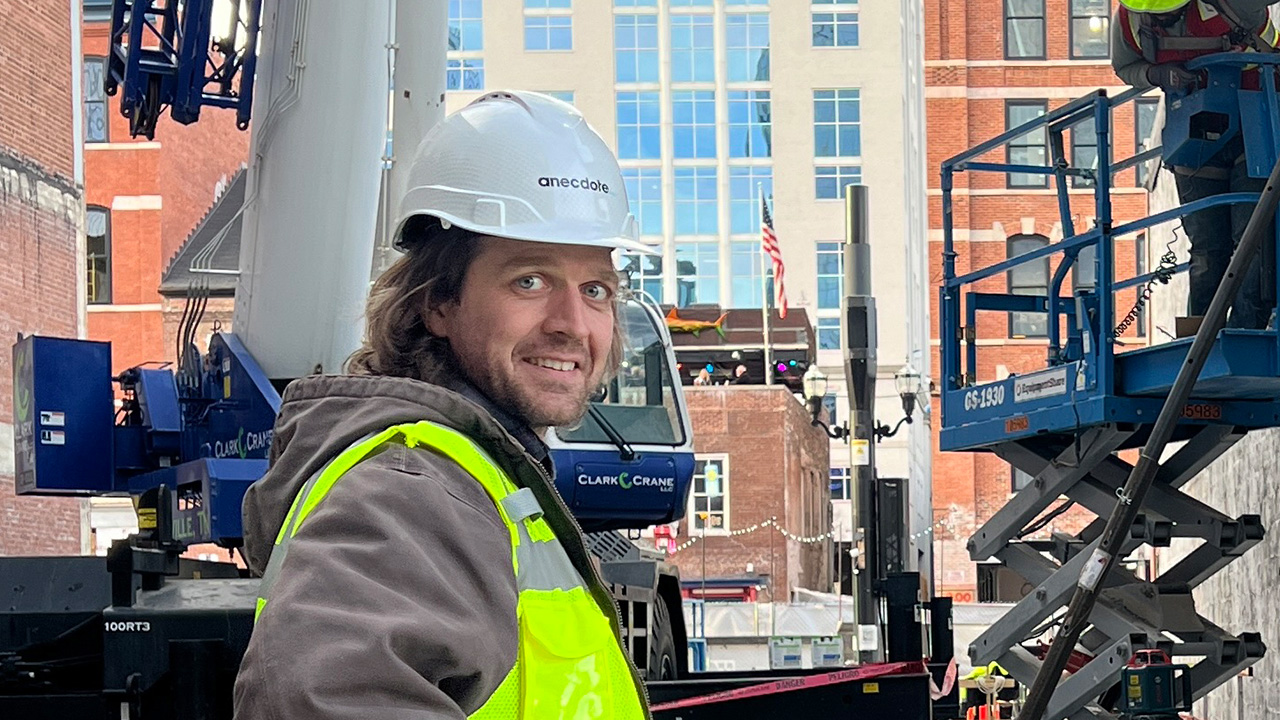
(1065, 424)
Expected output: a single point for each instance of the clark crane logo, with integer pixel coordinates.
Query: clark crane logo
(243, 444)
(627, 481)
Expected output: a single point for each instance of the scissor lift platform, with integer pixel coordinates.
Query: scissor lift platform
(1240, 386)
(1066, 424)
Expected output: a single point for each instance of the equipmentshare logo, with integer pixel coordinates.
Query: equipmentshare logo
(575, 183)
(626, 481)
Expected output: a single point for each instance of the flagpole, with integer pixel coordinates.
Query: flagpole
(764, 292)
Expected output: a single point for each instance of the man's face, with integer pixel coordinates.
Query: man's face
(534, 326)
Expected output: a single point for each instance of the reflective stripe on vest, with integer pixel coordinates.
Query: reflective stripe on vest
(570, 663)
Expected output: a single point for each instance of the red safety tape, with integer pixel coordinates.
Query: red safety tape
(862, 672)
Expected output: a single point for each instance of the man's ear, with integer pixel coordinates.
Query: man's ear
(437, 320)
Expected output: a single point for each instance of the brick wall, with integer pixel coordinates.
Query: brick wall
(778, 467)
(968, 83)
(40, 220)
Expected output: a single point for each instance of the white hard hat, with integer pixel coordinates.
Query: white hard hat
(525, 166)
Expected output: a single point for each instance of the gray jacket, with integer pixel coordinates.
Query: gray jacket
(397, 599)
(1131, 67)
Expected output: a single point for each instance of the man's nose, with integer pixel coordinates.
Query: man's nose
(567, 314)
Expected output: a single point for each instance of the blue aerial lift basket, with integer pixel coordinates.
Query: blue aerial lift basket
(1085, 382)
(1063, 424)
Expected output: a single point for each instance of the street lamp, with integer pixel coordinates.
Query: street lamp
(814, 383)
(907, 382)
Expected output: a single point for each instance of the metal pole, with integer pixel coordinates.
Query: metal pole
(705, 519)
(858, 329)
(1093, 577)
(764, 302)
(773, 579)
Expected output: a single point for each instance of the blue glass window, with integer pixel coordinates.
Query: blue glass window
(638, 135)
(830, 276)
(750, 124)
(548, 32)
(745, 187)
(547, 4)
(635, 3)
(635, 39)
(693, 57)
(828, 333)
(465, 74)
(693, 120)
(696, 201)
(466, 25)
(644, 191)
(830, 181)
(747, 46)
(691, 3)
(835, 29)
(837, 123)
(698, 273)
(745, 257)
(645, 273)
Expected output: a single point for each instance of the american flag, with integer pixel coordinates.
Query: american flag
(770, 240)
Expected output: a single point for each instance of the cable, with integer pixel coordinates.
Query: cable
(1042, 522)
(1163, 274)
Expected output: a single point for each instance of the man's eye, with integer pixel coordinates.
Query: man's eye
(597, 292)
(530, 282)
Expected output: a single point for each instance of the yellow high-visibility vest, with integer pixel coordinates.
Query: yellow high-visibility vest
(569, 664)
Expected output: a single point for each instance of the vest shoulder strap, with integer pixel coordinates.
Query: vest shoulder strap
(1261, 40)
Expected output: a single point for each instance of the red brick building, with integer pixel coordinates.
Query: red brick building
(991, 65)
(41, 220)
(758, 458)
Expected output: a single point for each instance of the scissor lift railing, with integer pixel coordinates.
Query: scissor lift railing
(1064, 424)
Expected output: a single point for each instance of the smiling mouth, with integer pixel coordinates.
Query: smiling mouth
(558, 365)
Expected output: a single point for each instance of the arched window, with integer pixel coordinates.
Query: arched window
(97, 230)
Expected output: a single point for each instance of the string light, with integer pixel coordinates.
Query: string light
(771, 522)
(804, 540)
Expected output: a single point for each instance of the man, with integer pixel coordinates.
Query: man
(1151, 42)
(417, 560)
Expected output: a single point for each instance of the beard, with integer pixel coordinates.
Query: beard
(538, 405)
(524, 403)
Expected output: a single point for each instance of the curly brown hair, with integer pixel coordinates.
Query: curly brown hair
(430, 274)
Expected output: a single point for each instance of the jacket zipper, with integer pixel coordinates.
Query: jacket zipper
(595, 578)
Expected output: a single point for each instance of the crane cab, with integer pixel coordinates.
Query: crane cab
(629, 463)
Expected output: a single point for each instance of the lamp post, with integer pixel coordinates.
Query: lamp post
(814, 382)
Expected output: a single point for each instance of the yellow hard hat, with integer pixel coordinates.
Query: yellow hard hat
(1153, 6)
